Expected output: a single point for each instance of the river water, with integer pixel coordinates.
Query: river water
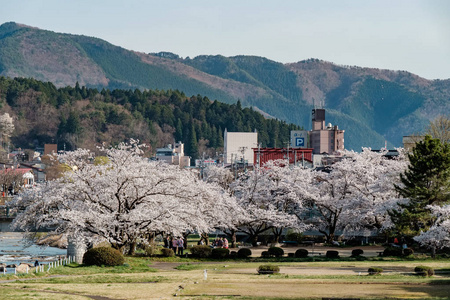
(13, 250)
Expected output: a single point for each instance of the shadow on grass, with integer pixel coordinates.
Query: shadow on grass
(440, 289)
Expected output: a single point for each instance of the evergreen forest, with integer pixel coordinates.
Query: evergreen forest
(77, 116)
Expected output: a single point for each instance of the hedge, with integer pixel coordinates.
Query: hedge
(424, 270)
(220, 253)
(301, 253)
(244, 252)
(375, 271)
(103, 256)
(268, 269)
(201, 251)
(276, 251)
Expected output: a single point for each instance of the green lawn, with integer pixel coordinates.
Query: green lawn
(144, 278)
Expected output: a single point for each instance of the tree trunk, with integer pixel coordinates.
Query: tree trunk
(433, 252)
(233, 239)
(254, 239)
(185, 236)
(205, 238)
(132, 249)
(151, 237)
(329, 237)
(277, 234)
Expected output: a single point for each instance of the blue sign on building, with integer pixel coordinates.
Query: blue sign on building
(299, 142)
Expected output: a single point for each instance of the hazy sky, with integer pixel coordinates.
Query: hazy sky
(389, 34)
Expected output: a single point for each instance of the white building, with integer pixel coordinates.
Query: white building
(174, 155)
(238, 146)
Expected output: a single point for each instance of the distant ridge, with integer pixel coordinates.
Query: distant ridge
(371, 105)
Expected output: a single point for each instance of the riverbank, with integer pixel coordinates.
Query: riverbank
(14, 250)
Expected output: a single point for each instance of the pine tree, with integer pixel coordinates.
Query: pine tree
(179, 131)
(192, 143)
(425, 182)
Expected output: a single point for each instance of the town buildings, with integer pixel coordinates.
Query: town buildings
(174, 155)
(238, 147)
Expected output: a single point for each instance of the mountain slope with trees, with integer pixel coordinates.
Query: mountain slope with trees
(371, 105)
(77, 116)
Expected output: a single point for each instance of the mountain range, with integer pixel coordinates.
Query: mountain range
(371, 105)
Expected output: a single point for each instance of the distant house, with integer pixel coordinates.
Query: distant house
(13, 179)
(409, 142)
(174, 155)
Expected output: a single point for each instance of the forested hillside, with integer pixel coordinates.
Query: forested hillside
(84, 117)
(371, 105)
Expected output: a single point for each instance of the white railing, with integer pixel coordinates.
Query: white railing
(42, 267)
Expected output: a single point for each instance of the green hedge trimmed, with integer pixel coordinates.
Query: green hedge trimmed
(167, 252)
(424, 270)
(375, 271)
(332, 254)
(268, 269)
(276, 251)
(103, 256)
(357, 252)
(201, 251)
(301, 253)
(265, 254)
(244, 252)
(220, 253)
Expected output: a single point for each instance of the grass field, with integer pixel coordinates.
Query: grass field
(145, 278)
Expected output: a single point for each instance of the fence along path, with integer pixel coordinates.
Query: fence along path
(26, 268)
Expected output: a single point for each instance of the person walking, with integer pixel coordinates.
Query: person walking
(174, 245)
(180, 245)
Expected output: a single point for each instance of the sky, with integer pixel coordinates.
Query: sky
(404, 35)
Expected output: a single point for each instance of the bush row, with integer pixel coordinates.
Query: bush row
(397, 251)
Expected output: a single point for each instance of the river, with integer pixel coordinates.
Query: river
(13, 250)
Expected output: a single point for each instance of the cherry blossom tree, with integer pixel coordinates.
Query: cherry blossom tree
(6, 127)
(263, 195)
(122, 198)
(374, 193)
(356, 193)
(224, 178)
(438, 236)
(6, 124)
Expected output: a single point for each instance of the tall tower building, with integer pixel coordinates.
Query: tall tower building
(324, 139)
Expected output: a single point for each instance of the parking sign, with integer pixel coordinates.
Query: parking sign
(299, 142)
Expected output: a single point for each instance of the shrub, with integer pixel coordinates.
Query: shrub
(233, 254)
(268, 269)
(357, 252)
(301, 253)
(220, 253)
(201, 251)
(332, 254)
(408, 251)
(392, 251)
(103, 256)
(424, 270)
(291, 255)
(167, 252)
(375, 271)
(276, 251)
(265, 254)
(151, 249)
(244, 252)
